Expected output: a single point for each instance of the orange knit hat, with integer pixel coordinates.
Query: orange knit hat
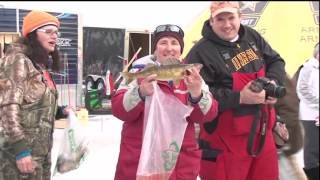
(35, 19)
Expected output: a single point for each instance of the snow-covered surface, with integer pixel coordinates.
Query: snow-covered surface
(100, 163)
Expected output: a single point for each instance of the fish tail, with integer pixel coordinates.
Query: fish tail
(127, 77)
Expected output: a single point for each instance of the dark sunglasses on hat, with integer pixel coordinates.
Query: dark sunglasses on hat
(169, 28)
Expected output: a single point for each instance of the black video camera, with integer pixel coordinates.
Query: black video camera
(271, 89)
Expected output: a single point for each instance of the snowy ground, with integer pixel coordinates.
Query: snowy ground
(104, 132)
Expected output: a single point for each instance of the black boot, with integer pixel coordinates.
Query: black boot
(312, 173)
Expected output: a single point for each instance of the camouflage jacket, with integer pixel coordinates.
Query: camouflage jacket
(27, 105)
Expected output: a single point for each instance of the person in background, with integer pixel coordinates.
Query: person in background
(238, 144)
(287, 109)
(29, 105)
(128, 105)
(308, 93)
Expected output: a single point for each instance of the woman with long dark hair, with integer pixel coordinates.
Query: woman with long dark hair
(29, 105)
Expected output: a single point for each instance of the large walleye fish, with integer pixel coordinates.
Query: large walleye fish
(166, 72)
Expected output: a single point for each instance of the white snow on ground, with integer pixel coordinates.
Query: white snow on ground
(104, 134)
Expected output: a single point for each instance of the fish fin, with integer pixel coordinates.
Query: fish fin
(126, 76)
(171, 60)
(149, 65)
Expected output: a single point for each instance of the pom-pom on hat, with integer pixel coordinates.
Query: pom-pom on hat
(35, 19)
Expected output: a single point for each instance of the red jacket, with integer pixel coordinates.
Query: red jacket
(128, 107)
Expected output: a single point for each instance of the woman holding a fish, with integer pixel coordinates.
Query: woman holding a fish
(180, 80)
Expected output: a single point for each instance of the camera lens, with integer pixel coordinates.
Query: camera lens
(275, 91)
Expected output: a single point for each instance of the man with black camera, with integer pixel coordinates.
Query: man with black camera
(238, 144)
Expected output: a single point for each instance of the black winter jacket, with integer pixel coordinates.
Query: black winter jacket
(222, 58)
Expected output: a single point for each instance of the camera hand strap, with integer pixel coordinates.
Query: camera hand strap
(253, 132)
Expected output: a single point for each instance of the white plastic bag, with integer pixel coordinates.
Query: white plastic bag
(74, 146)
(164, 127)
